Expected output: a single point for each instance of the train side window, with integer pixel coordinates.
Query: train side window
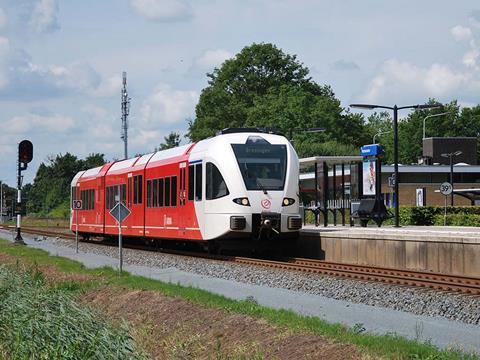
(140, 189)
(155, 192)
(107, 197)
(174, 191)
(149, 193)
(191, 178)
(215, 184)
(115, 195)
(123, 190)
(198, 182)
(92, 199)
(130, 189)
(167, 191)
(135, 189)
(110, 197)
(160, 192)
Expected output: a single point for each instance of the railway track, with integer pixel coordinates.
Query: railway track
(437, 281)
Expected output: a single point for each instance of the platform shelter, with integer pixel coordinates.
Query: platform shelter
(328, 184)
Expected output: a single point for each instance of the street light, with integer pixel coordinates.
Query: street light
(307, 130)
(451, 155)
(428, 117)
(380, 133)
(395, 109)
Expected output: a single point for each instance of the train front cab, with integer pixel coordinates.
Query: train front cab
(255, 204)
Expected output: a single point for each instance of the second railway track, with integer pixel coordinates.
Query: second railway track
(437, 281)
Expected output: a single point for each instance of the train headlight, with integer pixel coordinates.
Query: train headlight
(242, 201)
(288, 201)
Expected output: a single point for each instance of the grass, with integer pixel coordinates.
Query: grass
(387, 346)
(43, 322)
(49, 222)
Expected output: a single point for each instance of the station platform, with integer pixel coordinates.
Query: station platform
(448, 250)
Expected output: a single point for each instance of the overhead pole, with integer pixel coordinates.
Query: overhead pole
(125, 113)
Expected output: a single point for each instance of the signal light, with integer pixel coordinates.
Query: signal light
(25, 151)
(288, 201)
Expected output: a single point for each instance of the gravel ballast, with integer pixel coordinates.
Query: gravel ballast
(457, 307)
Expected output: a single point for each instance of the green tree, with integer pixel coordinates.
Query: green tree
(51, 186)
(264, 87)
(170, 141)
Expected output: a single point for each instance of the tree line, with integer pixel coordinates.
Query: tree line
(264, 87)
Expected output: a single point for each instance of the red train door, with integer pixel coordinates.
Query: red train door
(182, 197)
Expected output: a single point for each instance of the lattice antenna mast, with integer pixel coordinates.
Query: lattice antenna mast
(125, 112)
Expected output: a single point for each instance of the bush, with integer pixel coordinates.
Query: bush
(458, 220)
(433, 215)
(40, 322)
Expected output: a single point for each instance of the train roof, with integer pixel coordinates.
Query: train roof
(230, 135)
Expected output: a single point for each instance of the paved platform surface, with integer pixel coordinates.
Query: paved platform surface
(439, 331)
(427, 233)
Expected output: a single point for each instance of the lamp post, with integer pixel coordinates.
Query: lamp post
(380, 133)
(428, 117)
(451, 155)
(395, 109)
(307, 130)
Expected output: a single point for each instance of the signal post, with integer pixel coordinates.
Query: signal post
(25, 155)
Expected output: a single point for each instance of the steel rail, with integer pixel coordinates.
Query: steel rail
(399, 277)
(431, 280)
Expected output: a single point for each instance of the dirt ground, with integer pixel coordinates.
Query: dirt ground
(173, 328)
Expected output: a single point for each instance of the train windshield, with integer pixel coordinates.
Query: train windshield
(263, 166)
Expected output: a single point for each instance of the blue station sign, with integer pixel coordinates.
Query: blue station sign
(371, 150)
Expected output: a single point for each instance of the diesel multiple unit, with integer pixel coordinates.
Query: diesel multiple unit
(237, 185)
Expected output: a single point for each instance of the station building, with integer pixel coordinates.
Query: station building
(343, 176)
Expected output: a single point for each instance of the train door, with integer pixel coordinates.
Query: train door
(182, 199)
(99, 205)
(195, 205)
(135, 193)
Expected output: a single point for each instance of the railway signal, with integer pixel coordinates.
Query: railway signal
(25, 156)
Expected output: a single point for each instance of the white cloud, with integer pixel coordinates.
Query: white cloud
(108, 87)
(4, 51)
(461, 33)
(404, 81)
(3, 19)
(397, 80)
(94, 111)
(33, 122)
(212, 58)
(163, 10)
(21, 78)
(44, 16)
(166, 106)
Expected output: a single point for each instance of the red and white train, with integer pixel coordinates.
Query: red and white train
(240, 184)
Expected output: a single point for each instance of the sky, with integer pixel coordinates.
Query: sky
(61, 62)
